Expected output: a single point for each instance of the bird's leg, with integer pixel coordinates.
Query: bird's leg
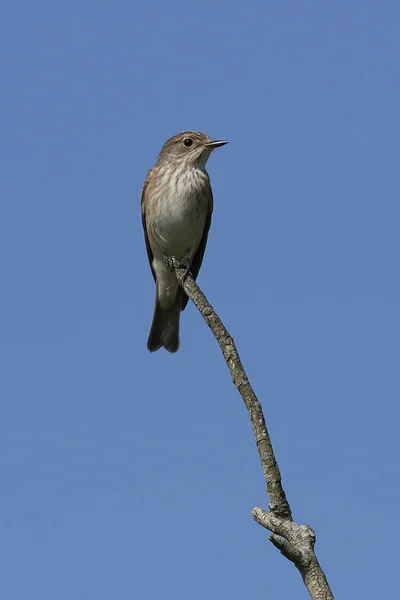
(169, 261)
(187, 265)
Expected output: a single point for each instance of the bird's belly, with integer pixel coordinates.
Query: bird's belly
(179, 226)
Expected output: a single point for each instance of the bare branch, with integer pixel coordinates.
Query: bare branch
(295, 542)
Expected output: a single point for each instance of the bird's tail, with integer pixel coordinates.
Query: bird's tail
(165, 326)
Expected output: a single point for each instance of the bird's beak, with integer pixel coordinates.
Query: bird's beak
(215, 144)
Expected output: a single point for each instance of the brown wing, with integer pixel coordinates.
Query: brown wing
(198, 257)
(146, 238)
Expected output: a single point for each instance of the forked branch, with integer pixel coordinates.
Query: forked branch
(296, 542)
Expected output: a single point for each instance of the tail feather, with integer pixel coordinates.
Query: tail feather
(165, 326)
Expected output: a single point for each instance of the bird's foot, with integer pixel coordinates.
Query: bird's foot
(187, 266)
(186, 272)
(169, 261)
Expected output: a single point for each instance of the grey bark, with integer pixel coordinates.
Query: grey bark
(295, 542)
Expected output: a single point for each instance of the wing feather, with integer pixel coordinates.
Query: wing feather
(146, 237)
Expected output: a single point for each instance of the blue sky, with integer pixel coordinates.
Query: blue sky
(132, 475)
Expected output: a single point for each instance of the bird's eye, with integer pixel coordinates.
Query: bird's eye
(187, 142)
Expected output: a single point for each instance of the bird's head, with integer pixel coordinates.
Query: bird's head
(190, 148)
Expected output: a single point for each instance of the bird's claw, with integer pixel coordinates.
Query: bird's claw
(187, 267)
(169, 261)
(186, 272)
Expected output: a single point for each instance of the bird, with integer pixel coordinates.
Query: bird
(177, 205)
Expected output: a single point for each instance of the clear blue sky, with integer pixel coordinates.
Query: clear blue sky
(129, 475)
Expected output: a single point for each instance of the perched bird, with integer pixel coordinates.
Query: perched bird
(177, 204)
